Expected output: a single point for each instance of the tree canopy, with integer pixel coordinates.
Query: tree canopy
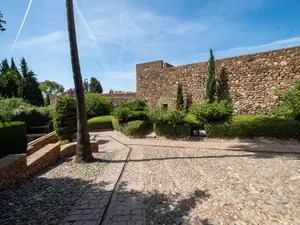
(95, 86)
(51, 88)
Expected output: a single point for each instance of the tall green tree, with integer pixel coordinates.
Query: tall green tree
(15, 68)
(31, 90)
(211, 78)
(179, 100)
(95, 86)
(2, 22)
(111, 91)
(83, 147)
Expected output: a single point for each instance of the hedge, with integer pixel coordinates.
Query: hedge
(132, 128)
(167, 130)
(136, 127)
(116, 124)
(254, 126)
(33, 116)
(13, 138)
(100, 123)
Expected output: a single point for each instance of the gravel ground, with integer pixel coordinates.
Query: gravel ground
(192, 186)
(47, 197)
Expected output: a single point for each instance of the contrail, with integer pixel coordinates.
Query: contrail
(91, 35)
(24, 19)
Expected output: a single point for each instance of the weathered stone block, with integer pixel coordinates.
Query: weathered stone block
(12, 169)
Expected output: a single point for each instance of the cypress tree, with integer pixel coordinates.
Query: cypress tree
(179, 100)
(211, 79)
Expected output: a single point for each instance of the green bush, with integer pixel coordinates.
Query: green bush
(193, 122)
(167, 130)
(97, 105)
(254, 126)
(8, 105)
(65, 124)
(289, 105)
(116, 124)
(129, 111)
(136, 127)
(33, 116)
(100, 123)
(171, 117)
(51, 126)
(214, 111)
(12, 138)
(173, 123)
(134, 105)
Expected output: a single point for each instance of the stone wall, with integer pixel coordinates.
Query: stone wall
(12, 169)
(118, 98)
(248, 80)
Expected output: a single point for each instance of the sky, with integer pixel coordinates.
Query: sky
(114, 35)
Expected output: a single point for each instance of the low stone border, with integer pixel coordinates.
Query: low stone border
(39, 143)
(12, 169)
(43, 158)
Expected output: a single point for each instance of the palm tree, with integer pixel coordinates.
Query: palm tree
(83, 148)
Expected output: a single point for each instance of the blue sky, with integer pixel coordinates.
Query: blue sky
(113, 36)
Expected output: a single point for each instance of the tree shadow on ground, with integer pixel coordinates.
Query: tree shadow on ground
(44, 201)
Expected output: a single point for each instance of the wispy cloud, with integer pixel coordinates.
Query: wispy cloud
(22, 24)
(56, 41)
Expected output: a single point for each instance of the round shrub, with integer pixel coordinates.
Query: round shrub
(65, 124)
(97, 105)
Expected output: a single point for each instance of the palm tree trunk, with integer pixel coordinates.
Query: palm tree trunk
(83, 148)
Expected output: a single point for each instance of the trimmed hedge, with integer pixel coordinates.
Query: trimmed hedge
(132, 128)
(12, 138)
(100, 123)
(254, 126)
(167, 130)
(136, 127)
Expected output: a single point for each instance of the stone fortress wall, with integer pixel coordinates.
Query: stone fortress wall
(249, 81)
